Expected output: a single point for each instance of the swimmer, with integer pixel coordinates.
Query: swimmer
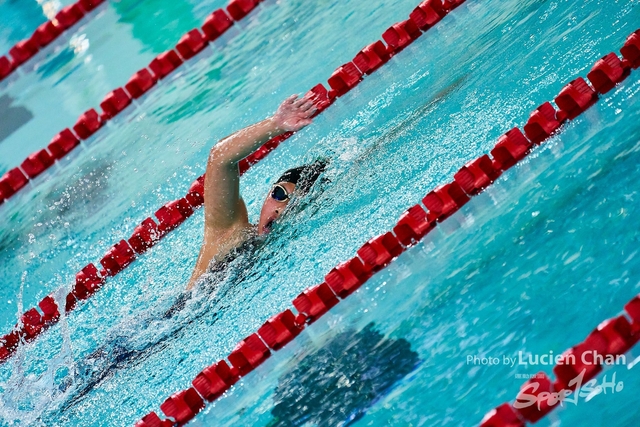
(226, 222)
(227, 235)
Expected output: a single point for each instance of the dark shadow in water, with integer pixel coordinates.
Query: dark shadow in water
(11, 118)
(336, 384)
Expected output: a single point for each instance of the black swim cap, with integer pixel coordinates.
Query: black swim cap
(304, 176)
(292, 175)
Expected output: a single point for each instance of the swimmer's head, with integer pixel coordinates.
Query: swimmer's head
(297, 181)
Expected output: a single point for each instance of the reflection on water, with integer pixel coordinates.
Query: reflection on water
(336, 384)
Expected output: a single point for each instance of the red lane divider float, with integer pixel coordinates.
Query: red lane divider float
(612, 337)
(117, 100)
(90, 279)
(45, 34)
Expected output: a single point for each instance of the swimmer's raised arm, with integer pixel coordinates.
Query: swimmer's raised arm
(224, 210)
(222, 192)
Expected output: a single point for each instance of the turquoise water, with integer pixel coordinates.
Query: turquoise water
(535, 264)
(86, 62)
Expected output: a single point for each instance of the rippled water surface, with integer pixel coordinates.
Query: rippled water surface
(532, 265)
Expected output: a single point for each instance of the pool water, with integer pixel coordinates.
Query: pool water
(532, 265)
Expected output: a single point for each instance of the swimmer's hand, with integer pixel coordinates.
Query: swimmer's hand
(294, 114)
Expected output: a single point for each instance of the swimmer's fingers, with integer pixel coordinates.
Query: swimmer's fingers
(306, 105)
(291, 99)
(298, 102)
(310, 112)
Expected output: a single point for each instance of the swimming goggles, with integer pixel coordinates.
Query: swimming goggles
(280, 194)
